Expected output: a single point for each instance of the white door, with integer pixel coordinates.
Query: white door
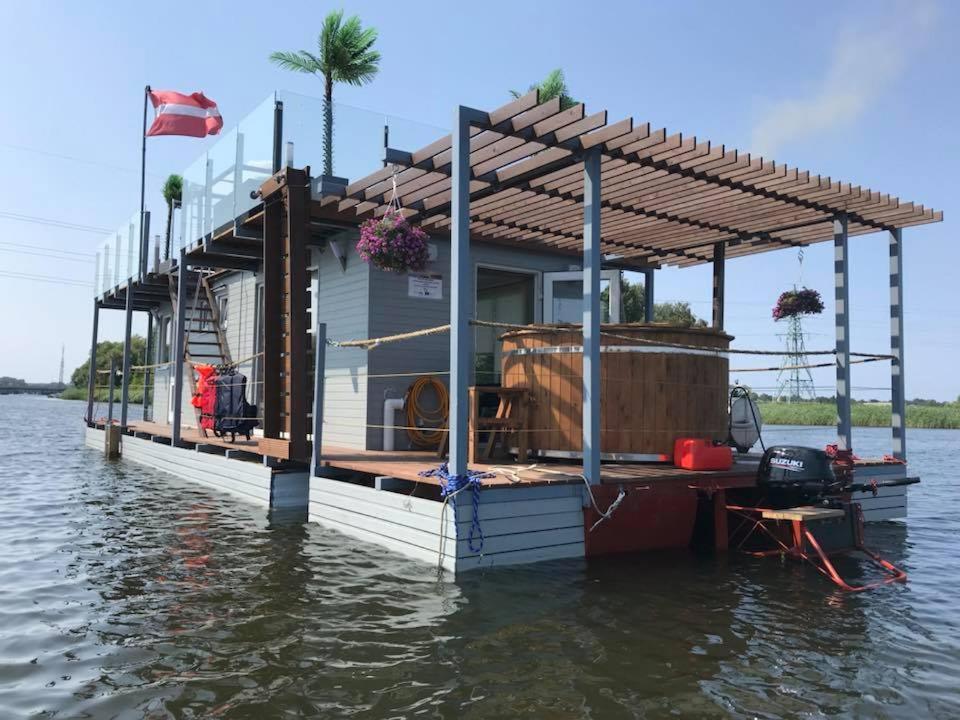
(563, 297)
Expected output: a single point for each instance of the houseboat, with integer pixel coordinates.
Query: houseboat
(489, 406)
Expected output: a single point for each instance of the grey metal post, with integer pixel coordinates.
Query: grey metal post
(591, 315)
(648, 295)
(148, 352)
(127, 352)
(144, 244)
(92, 373)
(719, 284)
(841, 275)
(461, 293)
(898, 420)
(277, 136)
(113, 375)
(179, 350)
(319, 372)
(208, 201)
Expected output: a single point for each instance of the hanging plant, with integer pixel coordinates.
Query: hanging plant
(798, 302)
(391, 243)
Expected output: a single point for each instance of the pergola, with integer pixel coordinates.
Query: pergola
(532, 174)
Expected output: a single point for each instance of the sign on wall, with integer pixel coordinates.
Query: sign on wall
(425, 286)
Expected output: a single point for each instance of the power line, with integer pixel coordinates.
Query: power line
(72, 158)
(47, 278)
(45, 247)
(54, 223)
(88, 261)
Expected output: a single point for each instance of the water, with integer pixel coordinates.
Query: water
(125, 593)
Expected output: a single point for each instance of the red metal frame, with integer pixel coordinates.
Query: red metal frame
(800, 536)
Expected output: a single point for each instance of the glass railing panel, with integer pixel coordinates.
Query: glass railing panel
(220, 182)
(192, 202)
(118, 257)
(254, 154)
(359, 135)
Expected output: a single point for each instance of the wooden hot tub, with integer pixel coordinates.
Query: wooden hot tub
(650, 395)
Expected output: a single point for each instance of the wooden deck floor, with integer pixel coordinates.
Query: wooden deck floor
(407, 465)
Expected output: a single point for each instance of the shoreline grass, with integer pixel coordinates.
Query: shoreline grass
(946, 417)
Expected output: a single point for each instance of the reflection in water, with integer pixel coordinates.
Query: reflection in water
(128, 593)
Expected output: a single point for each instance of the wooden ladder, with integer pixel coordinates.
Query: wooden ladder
(202, 321)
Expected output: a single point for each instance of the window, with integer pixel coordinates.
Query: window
(502, 296)
(166, 338)
(222, 307)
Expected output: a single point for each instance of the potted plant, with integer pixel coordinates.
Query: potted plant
(392, 244)
(798, 302)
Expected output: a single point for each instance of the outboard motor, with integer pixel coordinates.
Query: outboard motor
(790, 475)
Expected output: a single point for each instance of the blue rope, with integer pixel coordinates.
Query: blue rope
(450, 485)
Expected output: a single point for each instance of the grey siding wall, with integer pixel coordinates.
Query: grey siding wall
(342, 301)
(240, 290)
(394, 311)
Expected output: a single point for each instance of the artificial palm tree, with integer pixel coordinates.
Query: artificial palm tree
(554, 85)
(344, 54)
(172, 194)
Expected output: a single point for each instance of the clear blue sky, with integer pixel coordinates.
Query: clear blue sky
(866, 93)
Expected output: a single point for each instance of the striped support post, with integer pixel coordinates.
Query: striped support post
(897, 397)
(591, 315)
(841, 275)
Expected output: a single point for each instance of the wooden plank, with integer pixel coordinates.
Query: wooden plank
(805, 514)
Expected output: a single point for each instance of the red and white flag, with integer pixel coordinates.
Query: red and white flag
(194, 115)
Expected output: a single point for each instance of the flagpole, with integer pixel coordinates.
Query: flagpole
(144, 235)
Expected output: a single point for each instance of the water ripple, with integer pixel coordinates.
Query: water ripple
(125, 593)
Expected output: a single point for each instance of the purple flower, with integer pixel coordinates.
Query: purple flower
(391, 243)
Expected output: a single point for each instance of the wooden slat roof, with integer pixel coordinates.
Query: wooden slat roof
(666, 198)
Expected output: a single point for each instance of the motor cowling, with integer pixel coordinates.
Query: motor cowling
(792, 475)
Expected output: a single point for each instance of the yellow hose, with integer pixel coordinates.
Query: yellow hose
(426, 427)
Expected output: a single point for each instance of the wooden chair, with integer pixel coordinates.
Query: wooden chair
(509, 422)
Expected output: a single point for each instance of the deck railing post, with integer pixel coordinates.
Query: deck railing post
(591, 315)
(179, 349)
(127, 352)
(92, 373)
(898, 418)
(648, 295)
(147, 361)
(719, 284)
(841, 274)
(277, 136)
(110, 389)
(461, 293)
(144, 244)
(319, 372)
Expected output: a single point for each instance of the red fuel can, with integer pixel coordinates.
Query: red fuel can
(700, 454)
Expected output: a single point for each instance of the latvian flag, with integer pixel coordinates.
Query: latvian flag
(194, 115)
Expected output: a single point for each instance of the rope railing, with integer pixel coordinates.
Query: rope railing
(371, 343)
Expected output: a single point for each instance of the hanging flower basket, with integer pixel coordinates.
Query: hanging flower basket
(798, 302)
(391, 243)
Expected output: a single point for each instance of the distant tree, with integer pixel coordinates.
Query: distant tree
(7, 381)
(678, 313)
(173, 196)
(344, 54)
(553, 85)
(107, 350)
(633, 303)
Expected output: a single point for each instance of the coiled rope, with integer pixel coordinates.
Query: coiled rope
(450, 486)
